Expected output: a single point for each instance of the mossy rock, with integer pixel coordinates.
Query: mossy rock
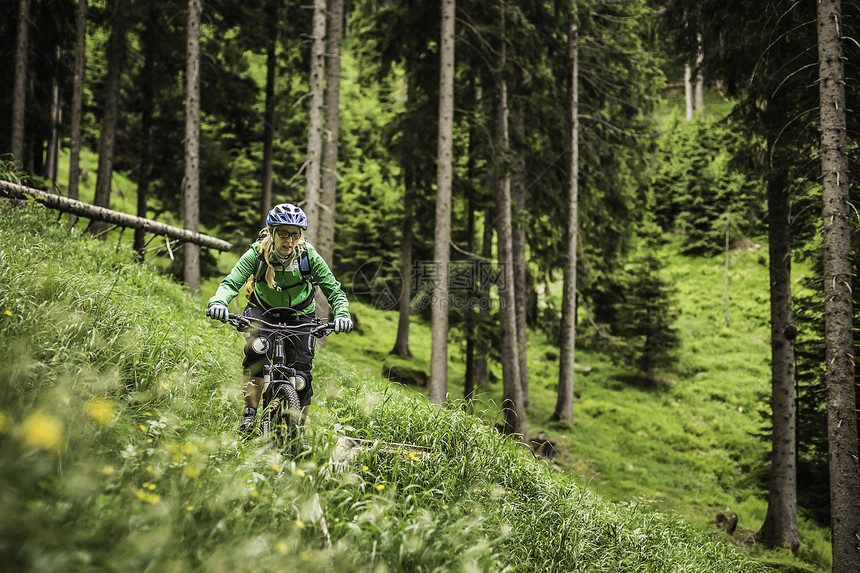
(405, 375)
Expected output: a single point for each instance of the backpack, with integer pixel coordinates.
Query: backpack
(262, 266)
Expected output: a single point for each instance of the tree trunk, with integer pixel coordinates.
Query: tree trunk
(52, 162)
(780, 523)
(115, 58)
(315, 119)
(512, 392)
(401, 342)
(469, 330)
(470, 320)
(482, 369)
(841, 399)
(567, 350)
(518, 197)
(77, 103)
(19, 91)
(192, 145)
(688, 90)
(328, 197)
(444, 179)
(148, 42)
(700, 78)
(269, 114)
(82, 209)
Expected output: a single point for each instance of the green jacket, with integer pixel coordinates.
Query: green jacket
(298, 290)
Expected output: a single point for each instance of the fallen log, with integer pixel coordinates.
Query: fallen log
(82, 209)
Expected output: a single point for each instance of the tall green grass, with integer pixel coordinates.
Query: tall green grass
(118, 450)
(691, 446)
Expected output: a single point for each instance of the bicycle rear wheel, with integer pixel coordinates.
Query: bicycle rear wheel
(286, 412)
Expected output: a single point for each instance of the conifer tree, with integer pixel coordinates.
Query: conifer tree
(567, 347)
(838, 312)
(442, 254)
(77, 100)
(647, 314)
(513, 404)
(113, 82)
(19, 95)
(315, 118)
(192, 145)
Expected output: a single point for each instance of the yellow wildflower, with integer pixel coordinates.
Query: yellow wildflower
(174, 451)
(41, 430)
(152, 498)
(282, 547)
(7, 312)
(191, 471)
(255, 493)
(189, 508)
(300, 473)
(364, 468)
(413, 457)
(275, 468)
(142, 428)
(101, 410)
(299, 524)
(108, 471)
(380, 487)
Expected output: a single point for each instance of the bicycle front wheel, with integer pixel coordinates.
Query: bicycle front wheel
(286, 417)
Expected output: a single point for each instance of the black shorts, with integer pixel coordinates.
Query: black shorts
(298, 349)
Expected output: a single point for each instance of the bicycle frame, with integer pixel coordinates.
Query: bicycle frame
(280, 399)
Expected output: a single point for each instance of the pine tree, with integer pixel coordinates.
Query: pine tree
(647, 315)
(192, 145)
(838, 311)
(442, 254)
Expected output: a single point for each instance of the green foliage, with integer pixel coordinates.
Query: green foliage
(646, 313)
(698, 193)
(689, 445)
(812, 433)
(10, 172)
(813, 472)
(118, 450)
(370, 179)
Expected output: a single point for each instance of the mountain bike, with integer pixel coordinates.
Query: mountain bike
(280, 404)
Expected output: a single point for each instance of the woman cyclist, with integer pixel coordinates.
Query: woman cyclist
(280, 271)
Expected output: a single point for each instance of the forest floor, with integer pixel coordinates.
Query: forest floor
(691, 445)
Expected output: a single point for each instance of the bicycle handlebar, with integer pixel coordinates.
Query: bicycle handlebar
(318, 329)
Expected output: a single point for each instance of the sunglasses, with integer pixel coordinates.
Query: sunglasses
(295, 235)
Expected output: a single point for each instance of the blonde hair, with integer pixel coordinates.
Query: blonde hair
(267, 247)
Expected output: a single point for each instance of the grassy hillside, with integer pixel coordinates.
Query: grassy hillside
(118, 405)
(689, 447)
